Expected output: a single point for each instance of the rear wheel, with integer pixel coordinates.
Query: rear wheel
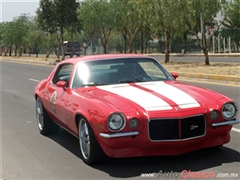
(91, 152)
(45, 124)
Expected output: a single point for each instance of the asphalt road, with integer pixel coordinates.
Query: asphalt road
(28, 155)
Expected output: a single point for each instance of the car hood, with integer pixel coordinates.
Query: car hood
(154, 96)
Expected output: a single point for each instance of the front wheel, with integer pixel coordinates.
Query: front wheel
(45, 124)
(91, 152)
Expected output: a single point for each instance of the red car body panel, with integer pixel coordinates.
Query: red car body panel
(96, 103)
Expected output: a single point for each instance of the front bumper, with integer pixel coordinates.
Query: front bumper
(116, 135)
(226, 123)
(135, 133)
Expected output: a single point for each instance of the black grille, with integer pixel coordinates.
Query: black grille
(177, 129)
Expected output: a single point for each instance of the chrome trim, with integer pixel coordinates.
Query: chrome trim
(66, 130)
(226, 123)
(116, 135)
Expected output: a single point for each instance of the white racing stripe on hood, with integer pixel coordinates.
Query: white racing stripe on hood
(145, 99)
(182, 99)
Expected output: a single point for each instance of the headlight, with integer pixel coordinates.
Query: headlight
(116, 122)
(229, 110)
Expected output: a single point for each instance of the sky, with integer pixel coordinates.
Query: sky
(14, 8)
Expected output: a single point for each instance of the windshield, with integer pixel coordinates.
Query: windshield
(117, 71)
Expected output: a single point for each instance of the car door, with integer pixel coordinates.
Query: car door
(57, 95)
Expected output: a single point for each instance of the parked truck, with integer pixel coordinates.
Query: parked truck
(72, 48)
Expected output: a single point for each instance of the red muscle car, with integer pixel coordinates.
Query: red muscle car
(128, 105)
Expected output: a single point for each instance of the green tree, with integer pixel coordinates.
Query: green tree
(1, 37)
(55, 16)
(36, 38)
(14, 33)
(200, 20)
(232, 22)
(7, 36)
(88, 24)
(66, 11)
(183, 22)
(164, 15)
(47, 22)
(130, 20)
(74, 29)
(20, 31)
(102, 16)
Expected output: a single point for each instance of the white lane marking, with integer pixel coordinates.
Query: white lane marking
(236, 130)
(145, 99)
(35, 80)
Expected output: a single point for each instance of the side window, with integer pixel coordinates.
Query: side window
(76, 44)
(152, 70)
(63, 73)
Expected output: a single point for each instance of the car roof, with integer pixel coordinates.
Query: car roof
(101, 57)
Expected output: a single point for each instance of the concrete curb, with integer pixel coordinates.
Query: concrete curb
(198, 55)
(210, 76)
(181, 74)
(52, 63)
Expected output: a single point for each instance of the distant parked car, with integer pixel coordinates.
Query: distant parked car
(72, 48)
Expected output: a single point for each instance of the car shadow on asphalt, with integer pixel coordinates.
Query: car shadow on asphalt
(134, 167)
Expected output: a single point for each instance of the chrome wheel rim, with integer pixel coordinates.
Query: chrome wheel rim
(39, 113)
(84, 139)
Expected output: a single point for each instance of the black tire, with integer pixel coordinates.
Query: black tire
(45, 124)
(91, 152)
(217, 147)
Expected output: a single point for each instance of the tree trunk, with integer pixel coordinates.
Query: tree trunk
(49, 51)
(5, 54)
(146, 46)
(105, 48)
(59, 47)
(85, 51)
(125, 45)
(142, 41)
(20, 51)
(131, 46)
(167, 43)
(16, 48)
(124, 35)
(185, 43)
(29, 52)
(72, 44)
(61, 44)
(1, 50)
(206, 57)
(37, 50)
(10, 51)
